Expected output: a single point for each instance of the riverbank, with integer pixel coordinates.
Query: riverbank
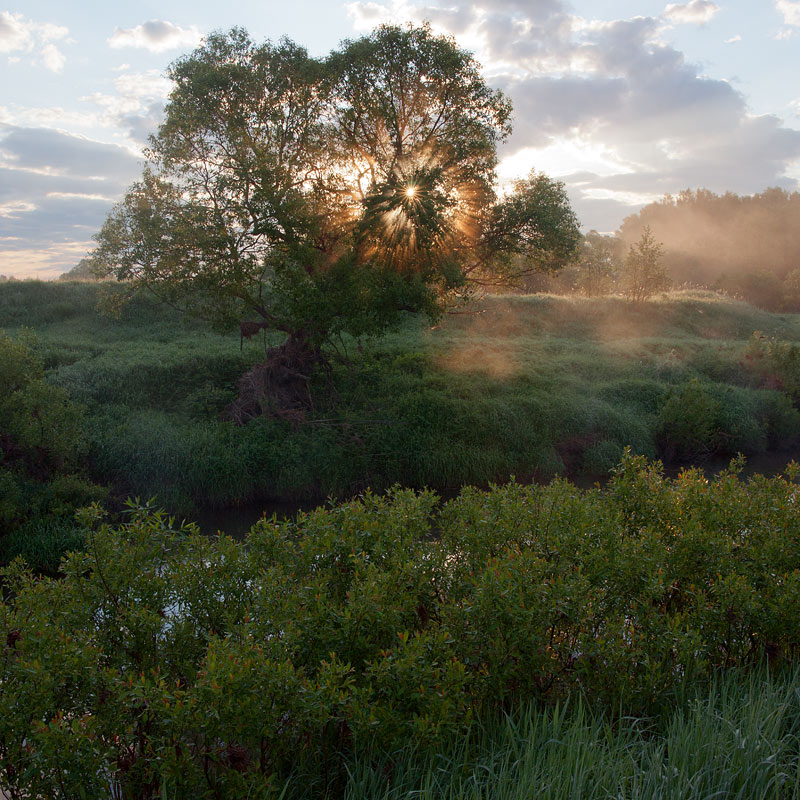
(530, 386)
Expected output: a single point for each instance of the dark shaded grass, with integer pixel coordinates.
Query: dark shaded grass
(737, 739)
(43, 542)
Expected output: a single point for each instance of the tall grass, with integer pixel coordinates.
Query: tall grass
(736, 739)
(531, 386)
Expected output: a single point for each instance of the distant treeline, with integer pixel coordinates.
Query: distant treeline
(747, 246)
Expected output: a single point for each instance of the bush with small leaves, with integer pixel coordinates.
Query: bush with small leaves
(166, 663)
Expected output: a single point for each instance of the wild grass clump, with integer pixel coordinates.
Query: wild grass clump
(735, 738)
(380, 632)
(701, 419)
(42, 451)
(42, 542)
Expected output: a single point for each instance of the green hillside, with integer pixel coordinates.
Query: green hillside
(530, 386)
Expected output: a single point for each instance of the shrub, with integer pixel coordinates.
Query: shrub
(699, 419)
(777, 362)
(168, 663)
(41, 448)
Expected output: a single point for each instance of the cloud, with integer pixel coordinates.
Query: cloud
(15, 33)
(53, 58)
(156, 36)
(733, 39)
(696, 12)
(790, 10)
(55, 191)
(137, 108)
(18, 34)
(51, 152)
(612, 101)
(47, 116)
(132, 111)
(45, 261)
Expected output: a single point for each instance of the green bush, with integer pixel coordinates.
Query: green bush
(777, 362)
(41, 453)
(699, 419)
(173, 664)
(42, 542)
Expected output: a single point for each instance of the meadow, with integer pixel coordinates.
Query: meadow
(530, 386)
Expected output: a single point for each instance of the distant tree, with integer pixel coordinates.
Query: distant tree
(707, 235)
(598, 267)
(643, 272)
(328, 196)
(85, 270)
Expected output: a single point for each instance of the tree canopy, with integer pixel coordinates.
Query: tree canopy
(643, 272)
(330, 195)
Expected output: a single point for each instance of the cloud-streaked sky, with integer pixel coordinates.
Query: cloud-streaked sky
(623, 100)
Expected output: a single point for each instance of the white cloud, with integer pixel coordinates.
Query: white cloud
(790, 9)
(137, 107)
(697, 12)
(14, 208)
(156, 35)
(15, 33)
(47, 117)
(53, 58)
(18, 34)
(733, 39)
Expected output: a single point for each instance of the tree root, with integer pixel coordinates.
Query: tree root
(280, 387)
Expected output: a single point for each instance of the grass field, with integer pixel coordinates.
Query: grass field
(530, 386)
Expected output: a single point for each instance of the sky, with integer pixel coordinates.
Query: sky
(623, 100)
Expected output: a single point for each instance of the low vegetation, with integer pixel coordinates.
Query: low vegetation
(402, 644)
(42, 468)
(529, 386)
(166, 663)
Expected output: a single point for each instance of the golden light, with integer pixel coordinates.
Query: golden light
(411, 191)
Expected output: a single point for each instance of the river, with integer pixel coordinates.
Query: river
(236, 521)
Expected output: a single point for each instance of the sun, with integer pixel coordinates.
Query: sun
(411, 191)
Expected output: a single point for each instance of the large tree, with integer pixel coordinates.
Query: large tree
(328, 196)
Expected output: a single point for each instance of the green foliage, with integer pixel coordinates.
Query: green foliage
(529, 386)
(701, 419)
(534, 227)
(85, 270)
(41, 452)
(735, 739)
(39, 428)
(596, 271)
(179, 665)
(777, 362)
(643, 273)
(43, 540)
